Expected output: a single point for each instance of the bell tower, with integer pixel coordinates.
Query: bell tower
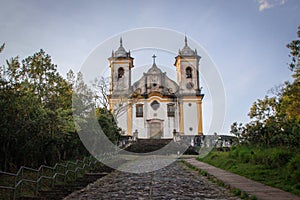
(120, 67)
(189, 97)
(187, 67)
(120, 64)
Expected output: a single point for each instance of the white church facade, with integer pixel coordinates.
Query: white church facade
(156, 106)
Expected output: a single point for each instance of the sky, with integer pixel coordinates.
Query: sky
(245, 39)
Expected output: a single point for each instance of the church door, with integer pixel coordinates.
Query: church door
(155, 129)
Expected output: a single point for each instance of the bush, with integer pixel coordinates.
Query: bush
(229, 163)
(214, 156)
(234, 153)
(270, 158)
(294, 170)
(241, 153)
(245, 156)
(273, 157)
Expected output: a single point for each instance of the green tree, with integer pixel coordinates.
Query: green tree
(108, 124)
(36, 121)
(294, 47)
(291, 96)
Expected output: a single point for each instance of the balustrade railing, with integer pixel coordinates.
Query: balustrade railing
(58, 170)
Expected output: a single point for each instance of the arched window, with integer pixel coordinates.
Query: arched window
(120, 72)
(188, 72)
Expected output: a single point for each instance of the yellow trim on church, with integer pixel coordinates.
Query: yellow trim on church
(199, 111)
(129, 120)
(181, 124)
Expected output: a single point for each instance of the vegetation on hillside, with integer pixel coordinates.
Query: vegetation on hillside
(36, 113)
(277, 167)
(269, 145)
(108, 124)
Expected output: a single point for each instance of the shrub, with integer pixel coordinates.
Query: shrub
(294, 169)
(244, 156)
(276, 158)
(272, 157)
(214, 156)
(234, 153)
(229, 163)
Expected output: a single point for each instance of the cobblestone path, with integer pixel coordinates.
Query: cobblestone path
(173, 182)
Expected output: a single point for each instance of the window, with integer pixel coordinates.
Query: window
(139, 110)
(120, 72)
(171, 110)
(155, 105)
(188, 72)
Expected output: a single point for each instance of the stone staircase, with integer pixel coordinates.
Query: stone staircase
(141, 146)
(61, 191)
(148, 145)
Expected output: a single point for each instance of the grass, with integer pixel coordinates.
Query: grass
(277, 167)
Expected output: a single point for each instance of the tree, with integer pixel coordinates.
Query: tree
(108, 124)
(262, 110)
(101, 91)
(290, 101)
(238, 130)
(101, 88)
(294, 47)
(36, 121)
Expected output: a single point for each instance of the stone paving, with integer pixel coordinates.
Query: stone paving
(257, 189)
(175, 181)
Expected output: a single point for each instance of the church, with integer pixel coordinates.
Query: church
(156, 106)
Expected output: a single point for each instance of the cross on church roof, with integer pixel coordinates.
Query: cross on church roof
(154, 56)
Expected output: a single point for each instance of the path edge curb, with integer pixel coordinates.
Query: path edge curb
(234, 190)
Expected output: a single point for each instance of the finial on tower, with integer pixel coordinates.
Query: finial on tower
(185, 40)
(154, 56)
(121, 42)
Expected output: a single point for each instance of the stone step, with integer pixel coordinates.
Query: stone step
(61, 191)
(148, 145)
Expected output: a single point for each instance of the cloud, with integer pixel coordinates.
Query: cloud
(266, 4)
